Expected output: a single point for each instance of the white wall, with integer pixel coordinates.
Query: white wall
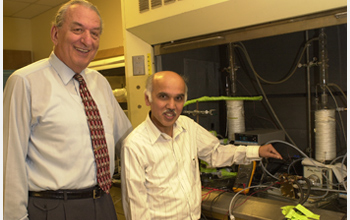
(17, 34)
(34, 34)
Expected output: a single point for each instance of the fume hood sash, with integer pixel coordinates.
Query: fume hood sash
(312, 21)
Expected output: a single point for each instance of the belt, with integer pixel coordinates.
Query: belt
(94, 193)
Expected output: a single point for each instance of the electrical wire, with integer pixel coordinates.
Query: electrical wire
(240, 83)
(214, 201)
(319, 197)
(330, 190)
(232, 217)
(301, 196)
(242, 47)
(215, 198)
(292, 163)
(263, 118)
(204, 217)
(342, 167)
(337, 158)
(293, 146)
(308, 182)
(304, 198)
(338, 87)
(291, 74)
(340, 118)
(210, 191)
(296, 148)
(308, 191)
(320, 189)
(262, 190)
(297, 182)
(266, 171)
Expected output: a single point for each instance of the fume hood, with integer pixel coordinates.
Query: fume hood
(200, 38)
(159, 27)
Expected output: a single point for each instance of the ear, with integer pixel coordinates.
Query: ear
(54, 34)
(148, 103)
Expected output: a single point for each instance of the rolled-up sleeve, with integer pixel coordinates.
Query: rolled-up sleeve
(218, 155)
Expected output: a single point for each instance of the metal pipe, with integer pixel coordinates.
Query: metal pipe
(308, 94)
(323, 53)
(233, 75)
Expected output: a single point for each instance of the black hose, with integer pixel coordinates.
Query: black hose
(301, 197)
(308, 191)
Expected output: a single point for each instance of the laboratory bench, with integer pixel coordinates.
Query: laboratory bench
(216, 203)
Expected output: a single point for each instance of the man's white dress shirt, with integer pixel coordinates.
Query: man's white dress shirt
(160, 174)
(47, 143)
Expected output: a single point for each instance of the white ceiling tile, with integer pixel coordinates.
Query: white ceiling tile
(28, 8)
(32, 11)
(11, 7)
(52, 3)
(22, 1)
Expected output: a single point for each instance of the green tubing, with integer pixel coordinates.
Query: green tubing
(221, 98)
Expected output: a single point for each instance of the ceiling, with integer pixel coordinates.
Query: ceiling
(28, 9)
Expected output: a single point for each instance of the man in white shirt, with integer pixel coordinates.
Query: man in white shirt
(49, 164)
(160, 174)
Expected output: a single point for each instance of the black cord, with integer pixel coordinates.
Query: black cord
(205, 218)
(301, 197)
(213, 201)
(308, 191)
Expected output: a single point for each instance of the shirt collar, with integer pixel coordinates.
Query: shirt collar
(178, 127)
(64, 72)
(155, 133)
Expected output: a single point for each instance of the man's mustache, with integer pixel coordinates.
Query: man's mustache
(170, 111)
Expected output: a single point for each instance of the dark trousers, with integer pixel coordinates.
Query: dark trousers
(72, 209)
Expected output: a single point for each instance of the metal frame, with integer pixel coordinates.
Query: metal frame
(312, 21)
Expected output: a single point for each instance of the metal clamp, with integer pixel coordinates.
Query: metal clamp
(198, 112)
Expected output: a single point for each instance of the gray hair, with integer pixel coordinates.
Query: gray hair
(61, 13)
(149, 87)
